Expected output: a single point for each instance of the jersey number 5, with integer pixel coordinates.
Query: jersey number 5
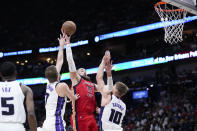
(10, 107)
(115, 116)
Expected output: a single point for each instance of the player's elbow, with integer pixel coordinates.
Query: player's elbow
(31, 113)
(61, 62)
(32, 121)
(98, 77)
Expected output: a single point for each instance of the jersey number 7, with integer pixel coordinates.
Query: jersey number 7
(46, 97)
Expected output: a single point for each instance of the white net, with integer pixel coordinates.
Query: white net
(173, 20)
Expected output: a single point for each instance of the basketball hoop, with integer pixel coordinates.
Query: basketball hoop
(173, 20)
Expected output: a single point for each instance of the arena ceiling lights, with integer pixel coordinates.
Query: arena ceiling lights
(141, 29)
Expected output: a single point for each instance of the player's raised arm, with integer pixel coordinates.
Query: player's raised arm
(75, 78)
(30, 107)
(100, 72)
(60, 56)
(109, 86)
(108, 69)
(63, 90)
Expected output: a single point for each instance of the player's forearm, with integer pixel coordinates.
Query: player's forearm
(100, 71)
(109, 80)
(32, 121)
(99, 76)
(109, 74)
(69, 56)
(60, 57)
(72, 97)
(110, 83)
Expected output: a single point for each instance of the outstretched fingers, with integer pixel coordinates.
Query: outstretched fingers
(106, 57)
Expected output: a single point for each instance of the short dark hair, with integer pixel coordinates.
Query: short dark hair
(121, 88)
(51, 73)
(7, 69)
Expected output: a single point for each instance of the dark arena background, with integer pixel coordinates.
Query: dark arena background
(162, 78)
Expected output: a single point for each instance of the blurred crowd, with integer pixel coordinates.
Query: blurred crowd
(174, 109)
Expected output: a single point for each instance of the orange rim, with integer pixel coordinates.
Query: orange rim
(163, 3)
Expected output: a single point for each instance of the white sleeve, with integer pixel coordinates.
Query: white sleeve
(69, 56)
(110, 83)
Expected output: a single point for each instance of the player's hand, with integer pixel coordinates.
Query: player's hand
(106, 57)
(77, 96)
(67, 38)
(97, 110)
(61, 40)
(109, 66)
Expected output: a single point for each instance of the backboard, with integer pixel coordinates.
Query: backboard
(188, 5)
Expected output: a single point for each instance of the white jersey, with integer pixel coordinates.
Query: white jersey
(39, 129)
(11, 103)
(112, 114)
(55, 109)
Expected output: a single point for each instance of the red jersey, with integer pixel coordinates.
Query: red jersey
(86, 104)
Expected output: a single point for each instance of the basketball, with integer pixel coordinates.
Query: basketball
(68, 27)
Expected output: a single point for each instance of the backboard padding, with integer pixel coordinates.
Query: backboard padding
(188, 5)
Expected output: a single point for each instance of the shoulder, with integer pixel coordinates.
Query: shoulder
(79, 82)
(25, 88)
(123, 105)
(61, 85)
(61, 88)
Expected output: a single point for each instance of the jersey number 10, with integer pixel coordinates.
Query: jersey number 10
(115, 116)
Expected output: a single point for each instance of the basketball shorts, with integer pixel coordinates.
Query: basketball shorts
(11, 127)
(109, 127)
(51, 125)
(85, 123)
